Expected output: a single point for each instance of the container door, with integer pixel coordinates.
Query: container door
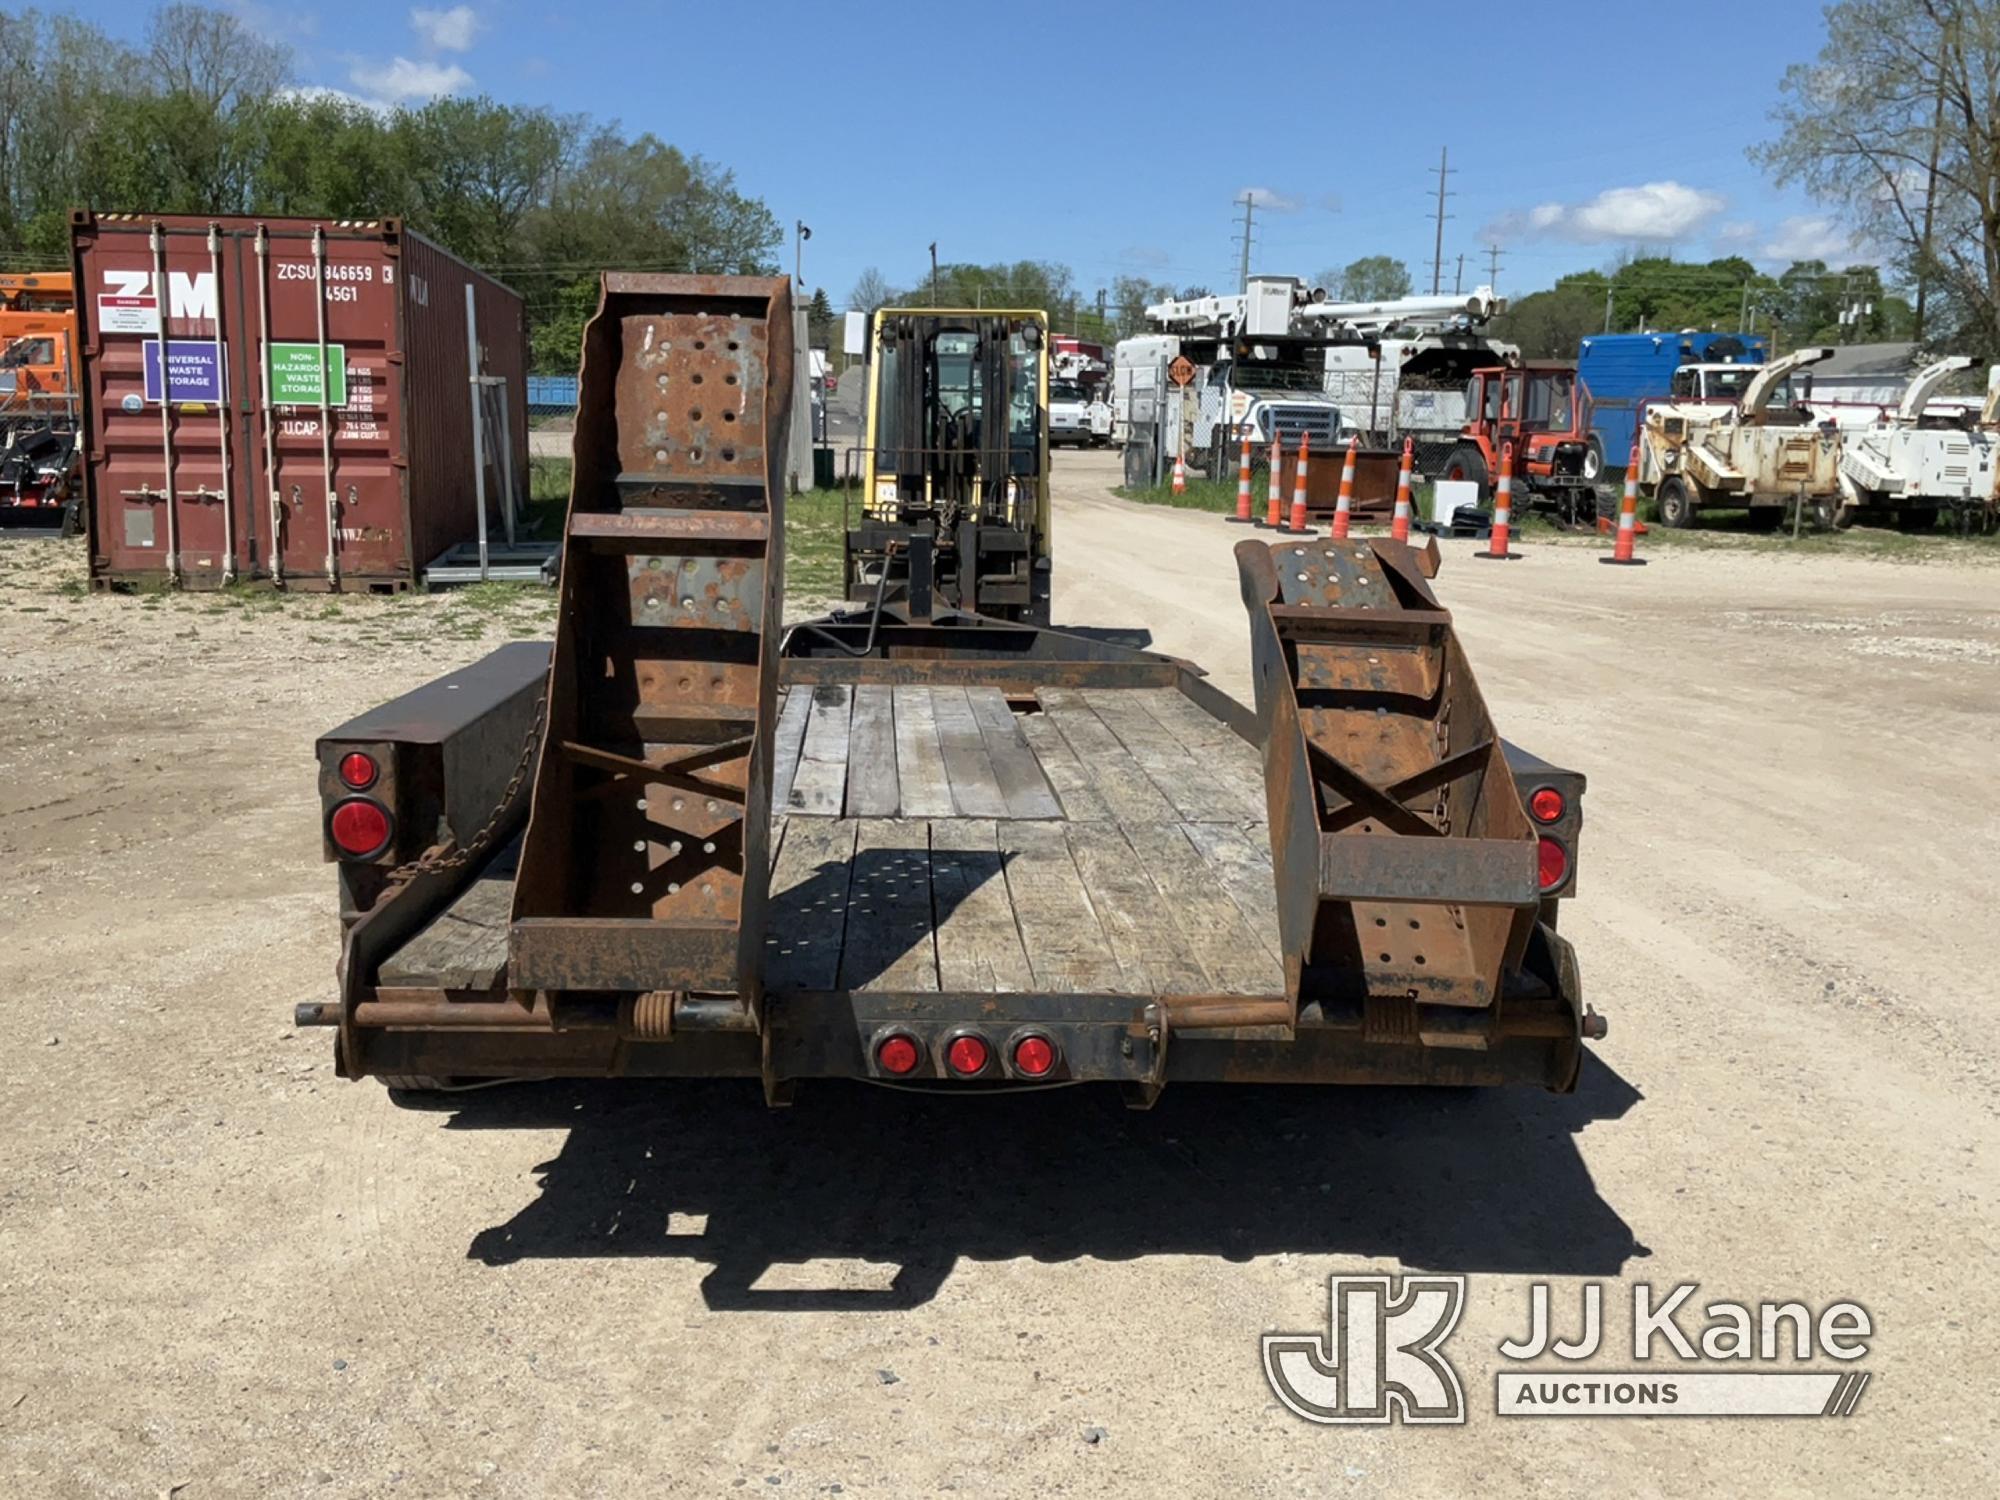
(334, 388)
(160, 377)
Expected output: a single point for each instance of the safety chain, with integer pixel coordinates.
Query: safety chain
(431, 861)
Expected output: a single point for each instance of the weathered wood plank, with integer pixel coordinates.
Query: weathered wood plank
(890, 942)
(1198, 794)
(923, 790)
(1241, 861)
(1081, 801)
(808, 912)
(1026, 791)
(1124, 785)
(819, 785)
(1059, 928)
(871, 754)
(978, 943)
(1143, 930)
(1230, 954)
(1211, 741)
(975, 790)
(465, 945)
(788, 739)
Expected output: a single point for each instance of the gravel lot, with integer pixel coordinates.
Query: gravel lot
(225, 1272)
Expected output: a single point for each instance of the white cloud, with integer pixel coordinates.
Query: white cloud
(400, 81)
(1652, 211)
(1808, 237)
(1738, 232)
(446, 30)
(315, 93)
(1268, 199)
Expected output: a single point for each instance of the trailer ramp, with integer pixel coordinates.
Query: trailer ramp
(645, 865)
(1407, 873)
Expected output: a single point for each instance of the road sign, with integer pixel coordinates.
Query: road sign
(1181, 371)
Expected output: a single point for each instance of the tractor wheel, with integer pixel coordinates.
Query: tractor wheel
(1466, 463)
(1677, 509)
(1593, 459)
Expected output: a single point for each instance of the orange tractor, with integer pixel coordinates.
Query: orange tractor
(39, 441)
(1543, 409)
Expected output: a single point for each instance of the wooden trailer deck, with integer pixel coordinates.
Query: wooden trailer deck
(964, 840)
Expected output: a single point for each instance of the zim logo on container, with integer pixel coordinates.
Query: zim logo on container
(1380, 1363)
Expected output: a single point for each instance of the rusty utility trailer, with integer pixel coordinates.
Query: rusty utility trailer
(941, 849)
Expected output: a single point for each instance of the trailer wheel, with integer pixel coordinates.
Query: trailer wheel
(414, 1083)
(1466, 463)
(1677, 510)
(1593, 459)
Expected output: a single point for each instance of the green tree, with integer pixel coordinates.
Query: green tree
(1373, 278)
(819, 320)
(1898, 123)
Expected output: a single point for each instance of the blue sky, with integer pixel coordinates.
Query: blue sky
(1115, 137)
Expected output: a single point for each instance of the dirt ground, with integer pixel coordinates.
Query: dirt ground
(224, 1272)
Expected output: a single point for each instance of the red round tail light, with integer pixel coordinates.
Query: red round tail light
(897, 1055)
(1034, 1056)
(358, 770)
(967, 1055)
(1547, 804)
(1553, 862)
(359, 828)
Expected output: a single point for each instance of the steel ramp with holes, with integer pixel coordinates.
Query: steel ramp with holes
(645, 865)
(1407, 871)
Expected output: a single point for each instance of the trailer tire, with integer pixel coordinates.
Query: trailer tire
(1467, 463)
(1676, 503)
(414, 1083)
(1593, 459)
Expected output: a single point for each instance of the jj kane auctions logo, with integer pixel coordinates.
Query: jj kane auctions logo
(1382, 1358)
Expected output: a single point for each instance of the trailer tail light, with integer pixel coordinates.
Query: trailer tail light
(359, 828)
(967, 1055)
(1034, 1056)
(897, 1055)
(1547, 804)
(358, 770)
(1553, 862)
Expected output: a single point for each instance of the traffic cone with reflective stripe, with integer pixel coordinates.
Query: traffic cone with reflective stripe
(1343, 508)
(1180, 476)
(1243, 515)
(1503, 512)
(1399, 528)
(1628, 519)
(1299, 525)
(1274, 510)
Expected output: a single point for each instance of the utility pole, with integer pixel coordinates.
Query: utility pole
(1458, 281)
(1243, 270)
(800, 234)
(934, 294)
(1493, 267)
(1607, 306)
(1100, 312)
(1743, 317)
(1437, 251)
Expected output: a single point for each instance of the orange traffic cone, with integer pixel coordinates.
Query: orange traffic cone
(1628, 518)
(1503, 512)
(1299, 525)
(1180, 476)
(1399, 528)
(1343, 508)
(1274, 512)
(1243, 515)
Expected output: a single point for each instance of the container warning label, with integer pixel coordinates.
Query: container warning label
(128, 314)
(296, 376)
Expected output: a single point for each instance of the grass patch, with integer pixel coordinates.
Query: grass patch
(815, 532)
(1202, 494)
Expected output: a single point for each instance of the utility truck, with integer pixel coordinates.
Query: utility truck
(1756, 448)
(1918, 462)
(917, 845)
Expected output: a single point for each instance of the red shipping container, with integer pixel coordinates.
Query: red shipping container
(286, 399)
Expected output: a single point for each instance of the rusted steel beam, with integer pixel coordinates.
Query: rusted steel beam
(637, 875)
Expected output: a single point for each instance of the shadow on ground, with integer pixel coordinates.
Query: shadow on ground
(1445, 1180)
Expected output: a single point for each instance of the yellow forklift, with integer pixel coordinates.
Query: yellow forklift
(955, 465)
